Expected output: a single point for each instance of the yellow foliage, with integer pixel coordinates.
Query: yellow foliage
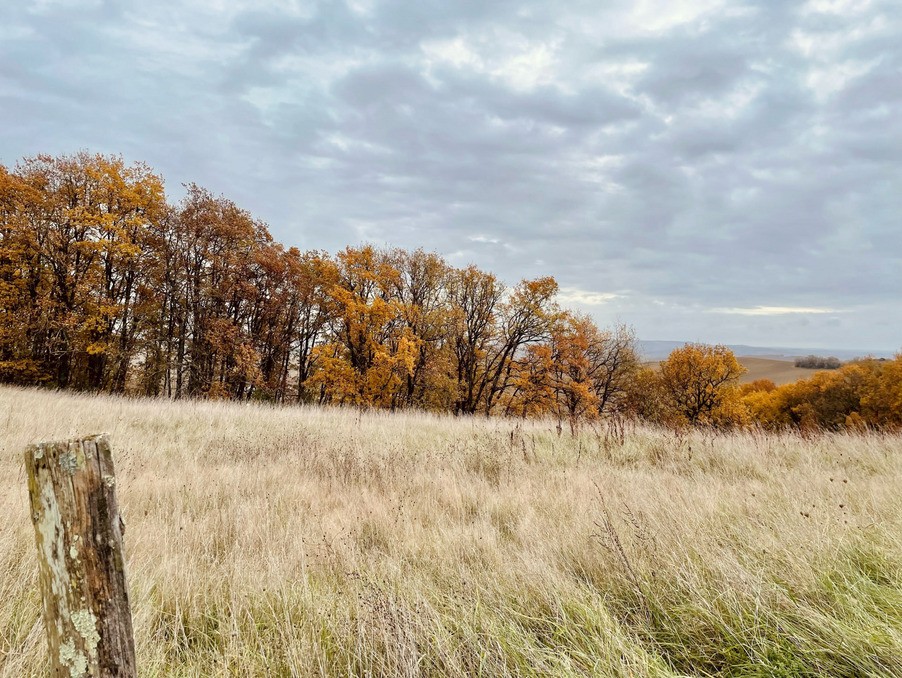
(96, 348)
(861, 394)
(697, 382)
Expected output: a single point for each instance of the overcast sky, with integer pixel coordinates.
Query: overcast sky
(704, 170)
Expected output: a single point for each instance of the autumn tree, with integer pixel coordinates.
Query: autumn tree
(533, 390)
(526, 317)
(270, 320)
(421, 290)
(215, 274)
(88, 222)
(644, 397)
(474, 299)
(22, 285)
(491, 326)
(580, 372)
(614, 360)
(697, 381)
(881, 402)
(312, 275)
(372, 352)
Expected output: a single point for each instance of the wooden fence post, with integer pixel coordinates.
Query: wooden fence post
(78, 533)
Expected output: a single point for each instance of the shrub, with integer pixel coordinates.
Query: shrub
(818, 362)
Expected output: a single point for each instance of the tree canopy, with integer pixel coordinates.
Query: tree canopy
(106, 286)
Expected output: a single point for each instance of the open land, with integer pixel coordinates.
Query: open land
(309, 542)
(778, 369)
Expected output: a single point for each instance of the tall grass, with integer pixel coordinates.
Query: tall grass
(309, 542)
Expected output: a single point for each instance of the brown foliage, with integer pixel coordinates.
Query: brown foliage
(580, 373)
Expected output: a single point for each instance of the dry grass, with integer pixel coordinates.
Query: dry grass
(778, 370)
(293, 542)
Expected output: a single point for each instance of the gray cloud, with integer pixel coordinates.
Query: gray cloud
(679, 165)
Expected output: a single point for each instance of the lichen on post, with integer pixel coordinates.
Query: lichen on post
(78, 533)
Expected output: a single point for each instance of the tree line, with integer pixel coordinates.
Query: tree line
(818, 362)
(105, 286)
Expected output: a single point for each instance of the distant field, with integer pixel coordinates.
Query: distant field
(778, 370)
(312, 542)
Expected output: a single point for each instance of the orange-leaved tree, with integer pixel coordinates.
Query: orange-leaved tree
(23, 287)
(86, 238)
(698, 383)
(590, 368)
(372, 352)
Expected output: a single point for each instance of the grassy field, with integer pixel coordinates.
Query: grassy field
(305, 542)
(778, 370)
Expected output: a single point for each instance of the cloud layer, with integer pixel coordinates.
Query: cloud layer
(704, 170)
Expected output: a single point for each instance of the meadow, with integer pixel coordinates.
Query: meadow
(333, 542)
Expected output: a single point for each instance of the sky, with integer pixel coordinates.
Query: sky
(703, 170)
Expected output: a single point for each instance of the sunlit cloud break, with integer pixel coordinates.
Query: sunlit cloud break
(775, 310)
(577, 296)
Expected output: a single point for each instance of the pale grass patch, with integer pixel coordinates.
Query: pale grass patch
(303, 542)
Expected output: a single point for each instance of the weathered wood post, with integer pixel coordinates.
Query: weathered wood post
(79, 538)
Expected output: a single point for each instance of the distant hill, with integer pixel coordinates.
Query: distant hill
(658, 350)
